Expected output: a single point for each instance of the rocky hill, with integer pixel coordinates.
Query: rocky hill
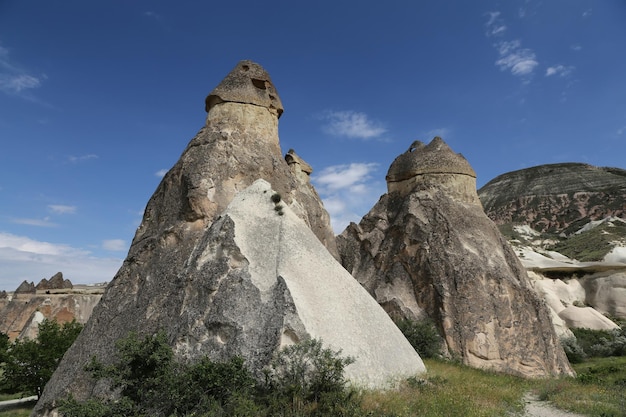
(556, 198)
(567, 224)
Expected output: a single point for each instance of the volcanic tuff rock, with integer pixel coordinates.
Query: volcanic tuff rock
(229, 282)
(55, 299)
(555, 197)
(428, 249)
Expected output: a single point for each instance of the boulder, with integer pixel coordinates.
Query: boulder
(586, 318)
(428, 249)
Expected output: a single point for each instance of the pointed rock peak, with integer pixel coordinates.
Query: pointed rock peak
(292, 158)
(434, 158)
(247, 83)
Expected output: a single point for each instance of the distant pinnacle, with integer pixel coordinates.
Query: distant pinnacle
(247, 83)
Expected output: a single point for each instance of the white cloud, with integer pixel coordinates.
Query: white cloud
(114, 245)
(348, 192)
(62, 209)
(45, 222)
(576, 47)
(621, 130)
(14, 80)
(161, 173)
(560, 70)
(495, 25)
(23, 258)
(76, 159)
(520, 61)
(352, 125)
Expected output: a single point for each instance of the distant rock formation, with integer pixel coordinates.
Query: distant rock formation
(56, 282)
(238, 281)
(556, 197)
(427, 249)
(26, 288)
(54, 299)
(567, 223)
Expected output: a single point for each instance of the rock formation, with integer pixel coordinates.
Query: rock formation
(555, 197)
(56, 282)
(567, 224)
(54, 299)
(427, 249)
(238, 281)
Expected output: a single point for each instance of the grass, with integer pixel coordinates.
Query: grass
(599, 390)
(450, 390)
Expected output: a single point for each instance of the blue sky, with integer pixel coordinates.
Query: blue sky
(99, 98)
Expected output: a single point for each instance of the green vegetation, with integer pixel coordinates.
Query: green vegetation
(423, 336)
(592, 245)
(598, 390)
(29, 363)
(302, 380)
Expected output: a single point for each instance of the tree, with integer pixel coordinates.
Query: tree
(29, 363)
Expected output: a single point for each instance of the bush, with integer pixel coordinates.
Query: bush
(307, 374)
(601, 343)
(423, 336)
(29, 363)
(575, 354)
(304, 379)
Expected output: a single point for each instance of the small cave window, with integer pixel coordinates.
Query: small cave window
(259, 83)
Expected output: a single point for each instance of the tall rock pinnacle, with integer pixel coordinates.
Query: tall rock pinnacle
(162, 284)
(427, 249)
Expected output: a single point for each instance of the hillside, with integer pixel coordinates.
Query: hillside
(556, 198)
(567, 224)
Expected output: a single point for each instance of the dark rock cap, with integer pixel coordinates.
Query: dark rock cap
(26, 288)
(434, 158)
(247, 83)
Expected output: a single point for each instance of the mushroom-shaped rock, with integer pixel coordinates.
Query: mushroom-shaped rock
(292, 159)
(434, 158)
(433, 164)
(247, 83)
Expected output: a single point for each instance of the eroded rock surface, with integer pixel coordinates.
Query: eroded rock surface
(428, 249)
(185, 272)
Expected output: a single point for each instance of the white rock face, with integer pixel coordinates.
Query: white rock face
(331, 305)
(587, 318)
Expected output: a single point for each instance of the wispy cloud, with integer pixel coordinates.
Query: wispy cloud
(23, 258)
(13, 79)
(495, 25)
(521, 62)
(114, 245)
(351, 124)
(348, 191)
(45, 222)
(559, 70)
(161, 173)
(81, 158)
(152, 15)
(62, 209)
(621, 130)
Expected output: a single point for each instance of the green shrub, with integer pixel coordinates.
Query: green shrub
(29, 363)
(152, 383)
(302, 380)
(575, 353)
(423, 336)
(601, 343)
(308, 375)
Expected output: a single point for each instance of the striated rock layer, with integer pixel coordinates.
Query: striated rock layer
(192, 271)
(556, 197)
(427, 249)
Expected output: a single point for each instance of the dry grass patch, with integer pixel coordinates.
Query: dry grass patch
(450, 390)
